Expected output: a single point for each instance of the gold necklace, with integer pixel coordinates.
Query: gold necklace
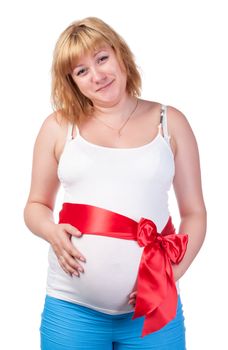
(122, 126)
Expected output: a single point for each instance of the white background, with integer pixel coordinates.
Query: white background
(180, 47)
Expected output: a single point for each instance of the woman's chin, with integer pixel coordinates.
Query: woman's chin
(108, 100)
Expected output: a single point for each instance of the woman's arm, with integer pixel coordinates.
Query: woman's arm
(187, 187)
(38, 212)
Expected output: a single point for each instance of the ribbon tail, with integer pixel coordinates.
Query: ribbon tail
(151, 283)
(166, 310)
(164, 313)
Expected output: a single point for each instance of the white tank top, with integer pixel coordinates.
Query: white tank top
(130, 181)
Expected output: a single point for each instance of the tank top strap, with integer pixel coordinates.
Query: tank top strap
(77, 129)
(70, 130)
(71, 127)
(163, 123)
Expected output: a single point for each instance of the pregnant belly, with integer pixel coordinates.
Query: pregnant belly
(110, 273)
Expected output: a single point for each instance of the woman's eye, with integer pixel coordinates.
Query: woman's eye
(102, 58)
(81, 71)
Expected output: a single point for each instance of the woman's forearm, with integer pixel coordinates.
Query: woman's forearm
(39, 219)
(195, 226)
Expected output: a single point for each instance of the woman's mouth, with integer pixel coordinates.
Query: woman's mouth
(105, 86)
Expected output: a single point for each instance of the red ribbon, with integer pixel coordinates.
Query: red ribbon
(156, 289)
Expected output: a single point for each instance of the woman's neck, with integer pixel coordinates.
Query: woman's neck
(116, 113)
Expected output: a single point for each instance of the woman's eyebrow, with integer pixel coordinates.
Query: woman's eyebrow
(94, 54)
(79, 65)
(99, 50)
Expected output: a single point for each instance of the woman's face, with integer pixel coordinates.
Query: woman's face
(100, 77)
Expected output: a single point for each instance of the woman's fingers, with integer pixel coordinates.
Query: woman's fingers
(132, 302)
(133, 294)
(66, 252)
(71, 264)
(72, 250)
(68, 268)
(132, 298)
(72, 230)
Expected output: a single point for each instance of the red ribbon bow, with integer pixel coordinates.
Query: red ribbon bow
(156, 289)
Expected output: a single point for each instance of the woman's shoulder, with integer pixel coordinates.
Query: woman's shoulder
(171, 110)
(177, 122)
(53, 129)
(178, 126)
(52, 134)
(176, 119)
(179, 129)
(54, 126)
(54, 122)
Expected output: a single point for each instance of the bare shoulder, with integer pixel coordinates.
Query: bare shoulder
(147, 107)
(176, 119)
(52, 133)
(178, 123)
(179, 128)
(53, 124)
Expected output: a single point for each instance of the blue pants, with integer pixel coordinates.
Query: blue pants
(68, 326)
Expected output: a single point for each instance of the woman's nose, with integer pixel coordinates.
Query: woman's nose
(97, 75)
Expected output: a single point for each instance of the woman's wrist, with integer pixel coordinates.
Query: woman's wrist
(48, 230)
(177, 273)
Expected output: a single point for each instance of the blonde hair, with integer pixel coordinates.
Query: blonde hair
(80, 38)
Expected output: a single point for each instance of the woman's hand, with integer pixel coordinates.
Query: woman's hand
(67, 254)
(132, 299)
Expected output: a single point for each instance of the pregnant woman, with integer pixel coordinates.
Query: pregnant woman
(115, 258)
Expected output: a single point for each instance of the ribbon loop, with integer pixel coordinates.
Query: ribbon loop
(173, 245)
